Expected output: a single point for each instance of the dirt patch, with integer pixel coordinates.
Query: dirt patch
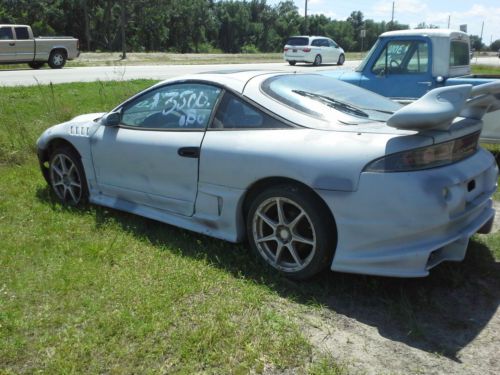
(447, 323)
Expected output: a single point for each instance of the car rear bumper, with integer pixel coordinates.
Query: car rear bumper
(404, 224)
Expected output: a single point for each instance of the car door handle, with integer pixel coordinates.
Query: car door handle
(189, 152)
(425, 83)
(12, 44)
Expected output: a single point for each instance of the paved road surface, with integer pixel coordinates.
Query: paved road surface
(26, 76)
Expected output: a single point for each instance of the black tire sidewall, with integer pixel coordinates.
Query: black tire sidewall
(320, 219)
(75, 158)
(341, 60)
(51, 60)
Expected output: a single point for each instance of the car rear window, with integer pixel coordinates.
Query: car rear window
(298, 41)
(317, 95)
(459, 53)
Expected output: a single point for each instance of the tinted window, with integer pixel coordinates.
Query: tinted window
(328, 98)
(22, 33)
(234, 113)
(298, 41)
(459, 53)
(316, 43)
(180, 106)
(6, 33)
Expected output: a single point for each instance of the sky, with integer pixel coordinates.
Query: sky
(412, 12)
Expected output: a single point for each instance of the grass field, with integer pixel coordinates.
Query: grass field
(95, 290)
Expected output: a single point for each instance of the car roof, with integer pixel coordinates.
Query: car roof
(308, 36)
(426, 32)
(231, 78)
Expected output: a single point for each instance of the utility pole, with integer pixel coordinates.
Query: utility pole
(449, 18)
(392, 17)
(122, 21)
(305, 21)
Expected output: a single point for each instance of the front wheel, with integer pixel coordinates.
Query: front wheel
(341, 60)
(57, 59)
(67, 177)
(292, 62)
(291, 230)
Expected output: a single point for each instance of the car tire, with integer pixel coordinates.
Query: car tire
(317, 60)
(36, 64)
(291, 230)
(292, 62)
(67, 177)
(57, 59)
(341, 59)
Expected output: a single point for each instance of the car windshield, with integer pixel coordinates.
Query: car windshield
(318, 96)
(367, 57)
(298, 41)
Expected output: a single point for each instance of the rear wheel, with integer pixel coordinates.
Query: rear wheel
(67, 177)
(36, 64)
(292, 62)
(317, 60)
(291, 230)
(57, 59)
(341, 60)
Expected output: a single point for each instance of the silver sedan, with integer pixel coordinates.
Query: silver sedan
(314, 172)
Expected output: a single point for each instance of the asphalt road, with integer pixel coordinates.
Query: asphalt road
(25, 76)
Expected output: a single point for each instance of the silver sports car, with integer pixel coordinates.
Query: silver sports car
(314, 172)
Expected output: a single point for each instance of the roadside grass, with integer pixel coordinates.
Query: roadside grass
(485, 69)
(87, 59)
(96, 290)
(27, 111)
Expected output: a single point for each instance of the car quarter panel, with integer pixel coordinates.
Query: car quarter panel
(319, 159)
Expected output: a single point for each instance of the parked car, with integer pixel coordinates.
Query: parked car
(405, 64)
(18, 46)
(313, 49)
(315, 172)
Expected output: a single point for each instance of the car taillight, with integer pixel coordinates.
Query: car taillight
(428, 157)
(306, 50)
(285, 49)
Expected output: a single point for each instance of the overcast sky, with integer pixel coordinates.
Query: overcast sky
(412, 12)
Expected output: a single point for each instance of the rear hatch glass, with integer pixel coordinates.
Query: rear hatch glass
(298, 41)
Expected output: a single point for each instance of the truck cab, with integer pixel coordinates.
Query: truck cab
(408, 63)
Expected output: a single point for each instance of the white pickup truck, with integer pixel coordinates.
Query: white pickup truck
(17, 45)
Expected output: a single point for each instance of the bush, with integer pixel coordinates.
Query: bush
(249, 48)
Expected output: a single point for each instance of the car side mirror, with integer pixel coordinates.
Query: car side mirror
(111, 119)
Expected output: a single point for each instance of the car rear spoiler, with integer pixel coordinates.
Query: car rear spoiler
(438, 108)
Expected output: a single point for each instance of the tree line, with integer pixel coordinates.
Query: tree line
(230, 26)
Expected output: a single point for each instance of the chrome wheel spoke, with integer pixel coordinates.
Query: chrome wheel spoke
(73, 196)
(296, 220)
(57, 170)
(294, 254)
(301, 239)
(75, 184)
(279, 251)
(279, 209)
(267, 220)
(271, 237)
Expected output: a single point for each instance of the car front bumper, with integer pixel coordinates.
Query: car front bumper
(403, 224)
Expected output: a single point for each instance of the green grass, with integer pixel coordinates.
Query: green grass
(96, 290)
(485, 69)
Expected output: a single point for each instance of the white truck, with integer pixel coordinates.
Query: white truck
(17, 45)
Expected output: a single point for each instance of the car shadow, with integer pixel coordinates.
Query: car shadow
(441, 313)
